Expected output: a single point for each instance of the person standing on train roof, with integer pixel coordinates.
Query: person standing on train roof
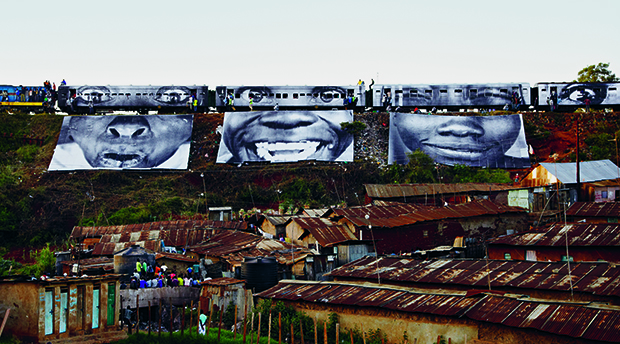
(195, 104)
(251, 103)
(63, 82)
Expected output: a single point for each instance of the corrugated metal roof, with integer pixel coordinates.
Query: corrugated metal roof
(326, 232)
(175, 256)
(276, 220)
(222, 281)
(232, 246)
(412, 190)
(579, 234)
(590, 171)
(389, 217)
(578, 320)
(314, 212)
(80, 232)
(592, 277)
(601, 209)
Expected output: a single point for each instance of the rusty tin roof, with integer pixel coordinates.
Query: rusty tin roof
(579, 234)
(579, 320)
(599, 278)
(412, 190)
(594, 209)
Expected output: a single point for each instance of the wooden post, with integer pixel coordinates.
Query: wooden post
(258, 332)
(159, 328)
(149, 317)
(364, 334)
(301, 331)
(351, 333)
(6, 317)
(316, 336)
(325, 332)
(183, 320)
(210, 312)
(337, 333)
(269, 329)
(219, 325)
(137, 314)
(279, 327)
(439, 339)
(198, 316)
(191, 316)
(235, 324)
(171, 323)
(292, 334)
(245, 320)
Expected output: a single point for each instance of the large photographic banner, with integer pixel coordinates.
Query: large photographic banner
(123, 142)
(285, 136)
(482, 141)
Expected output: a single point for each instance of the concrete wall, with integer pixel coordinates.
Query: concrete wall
(141, 297)
(21, 298)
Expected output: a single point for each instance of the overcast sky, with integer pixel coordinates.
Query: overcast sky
(319, 42)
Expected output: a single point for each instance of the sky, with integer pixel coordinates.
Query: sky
(320, 42)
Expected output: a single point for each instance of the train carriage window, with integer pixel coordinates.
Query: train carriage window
(488, 92)
(612, 89)
(337, 95)
(295, 96)
(378, 91)
(504, 91)
(473, 93)
(237, 95)
(458, 92)
(413, 93)
(428, 93)
(128, 94)
(285, 95)
(443, 93)
(278, 95)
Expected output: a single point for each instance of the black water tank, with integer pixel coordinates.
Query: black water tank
(259, 273)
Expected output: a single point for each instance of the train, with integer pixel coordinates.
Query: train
(91, 99)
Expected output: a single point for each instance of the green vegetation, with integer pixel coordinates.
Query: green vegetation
(596, 73)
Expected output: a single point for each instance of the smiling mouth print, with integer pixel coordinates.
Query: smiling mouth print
(457, 151)
(290, 151)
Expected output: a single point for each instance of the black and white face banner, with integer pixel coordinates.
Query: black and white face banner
(123, 142)
(485, 141)
(151, 96)
(285, 136)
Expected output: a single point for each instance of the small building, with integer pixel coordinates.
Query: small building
(62, 308)
(587, 242)
(545, 178)
(607, 212)
(591, 281)
(274, 226)
(177, 262)
(457, 316)
(220, 292)
(438, 194)
(406, 228)
(604, 191)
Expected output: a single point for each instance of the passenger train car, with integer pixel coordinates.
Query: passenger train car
(452, 96)
(290, 97)
(570, 96)
(142, 99)
(26, 98)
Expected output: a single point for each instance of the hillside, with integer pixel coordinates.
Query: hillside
(37, 206)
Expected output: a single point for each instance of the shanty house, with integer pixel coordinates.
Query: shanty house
(608, 212)
(580, 242)
(62, 308)
(438, 194)
(410, 315)
(408, 228)
(548, 177)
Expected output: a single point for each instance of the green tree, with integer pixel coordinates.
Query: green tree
(596, 73)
